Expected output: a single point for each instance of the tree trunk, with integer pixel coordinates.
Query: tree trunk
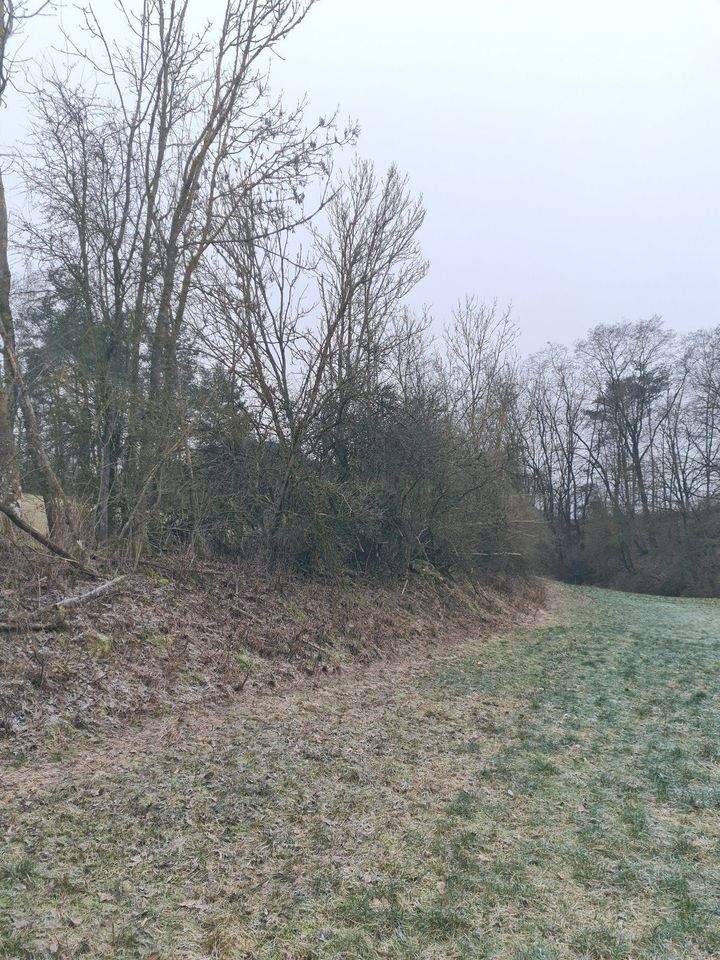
(10, 489)
(59, 514)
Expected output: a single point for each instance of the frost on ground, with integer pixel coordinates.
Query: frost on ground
(550, 792)
(180, 638)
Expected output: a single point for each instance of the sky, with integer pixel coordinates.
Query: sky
(568, 152)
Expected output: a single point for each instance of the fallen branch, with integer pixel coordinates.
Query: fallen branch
(90, 595)
(499, 553)
(314, 646)
(31, 626)
(46, 542)
(55, 622)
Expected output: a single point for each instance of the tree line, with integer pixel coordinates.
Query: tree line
(622, 447)
(211, 348)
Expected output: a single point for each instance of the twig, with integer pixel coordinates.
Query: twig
(309, 643)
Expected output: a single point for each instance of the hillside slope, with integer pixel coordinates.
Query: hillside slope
(176, 637)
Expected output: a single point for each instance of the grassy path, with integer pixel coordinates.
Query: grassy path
(551, 793)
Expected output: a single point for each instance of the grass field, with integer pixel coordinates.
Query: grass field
(550, 793)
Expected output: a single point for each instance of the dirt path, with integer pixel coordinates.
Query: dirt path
(550, 793)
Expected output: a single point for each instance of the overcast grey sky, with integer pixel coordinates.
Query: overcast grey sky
(568, 152)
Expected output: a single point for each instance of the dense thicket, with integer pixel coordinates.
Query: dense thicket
(623, 452)
(214, 350)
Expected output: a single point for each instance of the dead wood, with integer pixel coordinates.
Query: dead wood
(46, 542)
(36, 624)
(90, 595)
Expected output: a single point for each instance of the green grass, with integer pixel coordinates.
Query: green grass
(550, 794)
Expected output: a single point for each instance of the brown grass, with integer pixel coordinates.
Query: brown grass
(181, 638)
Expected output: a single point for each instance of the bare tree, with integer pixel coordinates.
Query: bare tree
(703, 428)
(369, 260)
(553, 440)
(306, 333)
(479, 342)
(138, 181)
(59, 513)
(629, 369)
(9, 475)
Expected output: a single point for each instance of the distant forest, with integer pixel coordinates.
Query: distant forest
(210, 349)
(622, 455)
